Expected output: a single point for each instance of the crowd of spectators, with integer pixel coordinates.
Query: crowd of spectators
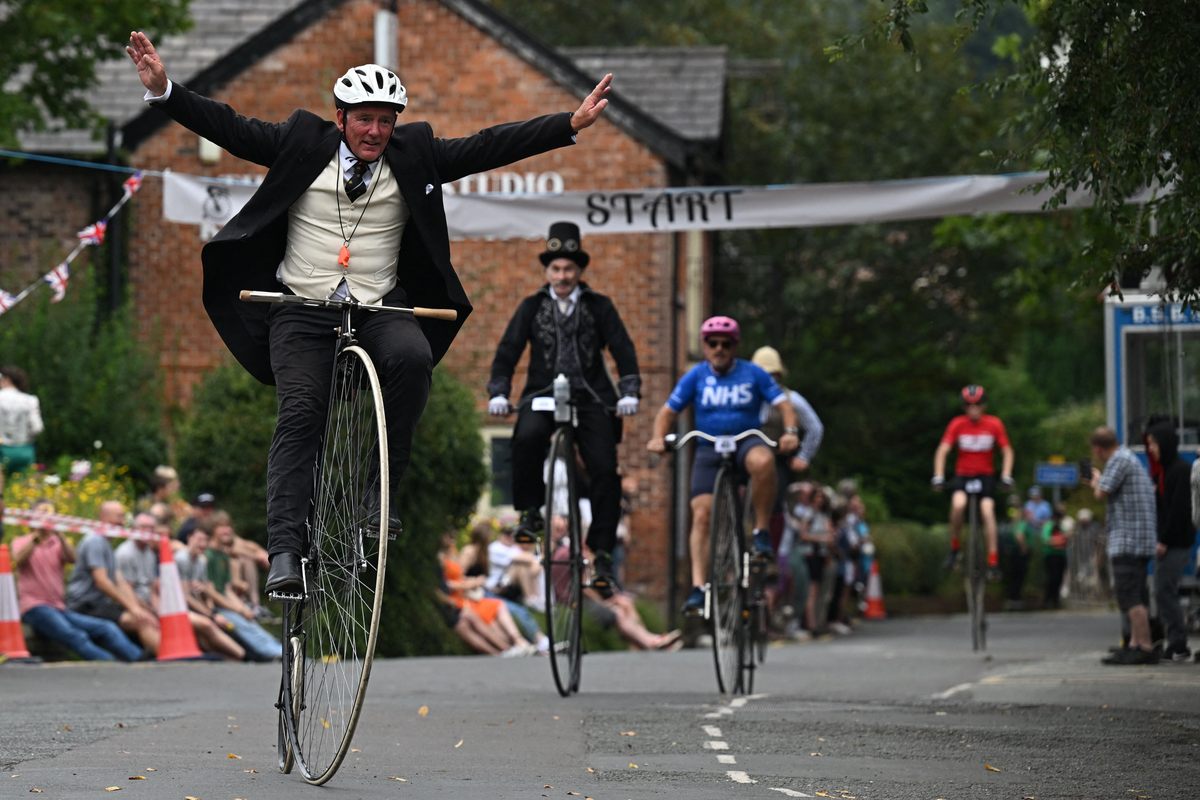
(823, 557)
(101, 603)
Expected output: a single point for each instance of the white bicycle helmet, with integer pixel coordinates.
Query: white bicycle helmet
(370, 83)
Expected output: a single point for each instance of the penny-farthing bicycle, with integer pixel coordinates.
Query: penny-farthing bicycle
(730, 605)
(330, 629)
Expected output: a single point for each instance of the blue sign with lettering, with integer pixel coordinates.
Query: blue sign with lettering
(1047, 474)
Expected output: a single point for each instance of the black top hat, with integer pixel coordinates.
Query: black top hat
(563, 242)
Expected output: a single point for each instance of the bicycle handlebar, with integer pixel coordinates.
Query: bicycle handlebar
(248, 296)
(677, 441)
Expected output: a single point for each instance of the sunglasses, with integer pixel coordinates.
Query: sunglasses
(719, 344)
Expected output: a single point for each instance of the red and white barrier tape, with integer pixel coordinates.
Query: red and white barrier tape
(63, 523)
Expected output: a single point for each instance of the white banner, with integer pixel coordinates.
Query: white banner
(207, 202)
(210, 202)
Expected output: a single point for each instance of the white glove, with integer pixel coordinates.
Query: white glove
(627, 406)
(498, 406)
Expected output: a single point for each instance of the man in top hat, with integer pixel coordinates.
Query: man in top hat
(567, 327)
(349, 207)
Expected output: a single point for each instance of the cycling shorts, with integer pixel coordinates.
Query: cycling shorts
(959, 484)
(708, 461)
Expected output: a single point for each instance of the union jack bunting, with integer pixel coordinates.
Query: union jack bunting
(6, 301)
(133, 183)
(93, 234)
(57, 278)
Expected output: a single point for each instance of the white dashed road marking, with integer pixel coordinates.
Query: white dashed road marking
(713, 731)
(716, 745)
(790, 792)
(725, 758)
(740, 777)
(953, 690)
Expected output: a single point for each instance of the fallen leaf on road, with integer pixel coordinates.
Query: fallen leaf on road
(573, 794)
(591, 770)
(234, 755)
(190, 797)
(814, 755)
(629, 733)
(112, 788)
(137, 777)
(820, 738)
(355, 749)
(632, 765)
(67, 728)
(556, 716)
(250, 771)
(547, 786)
(990, 768)
(423, 711)
(824, 794)
(325, 724)
(151, 769)
(36, 790)
(458, 744)
(397, 778)
(120, 724)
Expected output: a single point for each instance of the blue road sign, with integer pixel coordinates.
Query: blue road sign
(1048, 474)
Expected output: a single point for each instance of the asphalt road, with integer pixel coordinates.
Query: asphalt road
(900, 709)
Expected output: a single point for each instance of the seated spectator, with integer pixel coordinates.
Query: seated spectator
(212, 628)
(467, 593)
(474, 560)
(137, 561)
(474, 632)
(514, 571)
(202, 508)
(617, 611)
(97, 589)
(163, 500)
(39, 558)
(214, 591)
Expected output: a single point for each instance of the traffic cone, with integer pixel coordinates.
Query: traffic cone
(12, 640)
(874, 608)
(178, 638)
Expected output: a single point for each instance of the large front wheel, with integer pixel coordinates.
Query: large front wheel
(333, 629)
(563, 561)
(725, 582)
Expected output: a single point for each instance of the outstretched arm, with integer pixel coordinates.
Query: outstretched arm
(149, 66)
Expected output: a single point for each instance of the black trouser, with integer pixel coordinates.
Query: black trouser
(302, 348)
(1056, 567)
(596, 438)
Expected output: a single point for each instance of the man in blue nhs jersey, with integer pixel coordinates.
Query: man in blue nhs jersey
(727, 394)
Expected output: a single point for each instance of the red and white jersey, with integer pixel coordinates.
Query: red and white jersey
(976, 442)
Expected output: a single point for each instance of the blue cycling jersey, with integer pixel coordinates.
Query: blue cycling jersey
(725, 404)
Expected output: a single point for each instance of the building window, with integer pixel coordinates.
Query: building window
(497, 494)
(1162, 379)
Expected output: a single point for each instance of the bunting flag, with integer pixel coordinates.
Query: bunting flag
(6, 301)
(93, 234)
(132, 183)
(57, 278)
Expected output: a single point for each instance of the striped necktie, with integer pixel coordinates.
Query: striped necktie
(356, 184)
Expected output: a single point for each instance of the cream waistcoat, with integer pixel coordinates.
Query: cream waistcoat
(310, 264)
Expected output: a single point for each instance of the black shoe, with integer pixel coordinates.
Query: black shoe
(1131, 657)
(762, 544)
(530, 528)
(284, 575)
(395, 526)
(694, 605)
(1177, 652)
(604, 579)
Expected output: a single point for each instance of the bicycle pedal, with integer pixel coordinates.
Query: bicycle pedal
(374, 534)
(286, 597)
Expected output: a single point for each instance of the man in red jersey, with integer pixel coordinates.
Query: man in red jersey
(976, 435)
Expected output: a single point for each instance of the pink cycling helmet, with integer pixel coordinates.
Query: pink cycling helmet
(973, 395)
(724, 325)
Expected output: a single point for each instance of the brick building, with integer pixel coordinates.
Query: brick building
(465, 67)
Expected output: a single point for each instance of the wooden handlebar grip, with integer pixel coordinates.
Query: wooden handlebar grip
(245, 294)
(448, 314)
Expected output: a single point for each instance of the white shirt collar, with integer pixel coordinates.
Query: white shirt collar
(348, 160)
